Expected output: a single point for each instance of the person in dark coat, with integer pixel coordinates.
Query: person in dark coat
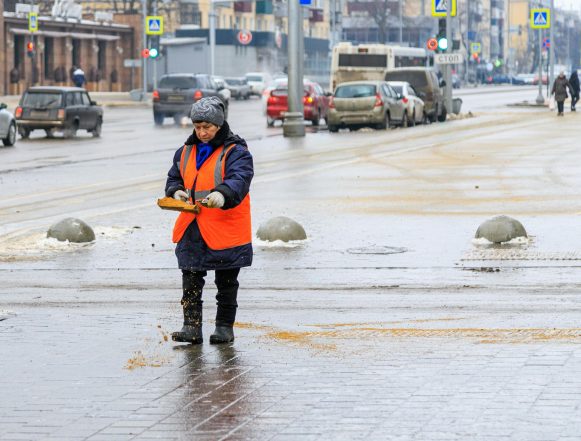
(79, 77)
(195, 257)
(575, 89)
(560, 91)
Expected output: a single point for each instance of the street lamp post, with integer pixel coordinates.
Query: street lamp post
(293, 119)
(143, 46)
(212, 29)
(540, 99)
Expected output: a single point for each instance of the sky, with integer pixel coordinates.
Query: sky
(569, 4)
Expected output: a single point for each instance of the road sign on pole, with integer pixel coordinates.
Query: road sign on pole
(33, 21)
(440, 8)
(244, 37)
(153, 25)
(540, 18)
(450, 58)
(475, 48)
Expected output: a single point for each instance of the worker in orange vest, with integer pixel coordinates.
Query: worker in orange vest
(213, 169)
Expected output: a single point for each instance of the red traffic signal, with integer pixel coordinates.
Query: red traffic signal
(432, 44)
(145, 53)
(30, 46)
(475, 56)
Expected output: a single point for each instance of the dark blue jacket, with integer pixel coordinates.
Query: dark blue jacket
(192, 252)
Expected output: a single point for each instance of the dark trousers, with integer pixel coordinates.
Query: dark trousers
(561, 106)
(574, 100)
(227, 284)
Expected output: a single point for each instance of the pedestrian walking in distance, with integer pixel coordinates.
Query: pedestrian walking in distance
(560, 91)
(575, 89)
(79, 77)
(213, 169)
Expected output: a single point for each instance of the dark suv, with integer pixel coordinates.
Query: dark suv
(176, 93)
(58, 109)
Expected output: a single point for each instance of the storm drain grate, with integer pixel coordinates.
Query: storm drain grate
(377, 250)
(512, 254)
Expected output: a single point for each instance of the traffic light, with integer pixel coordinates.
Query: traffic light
(154, 46)
(441, 37)
(30, 49)
(432, 44)
(145, 53)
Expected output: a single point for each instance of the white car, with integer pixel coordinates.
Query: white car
(7, 126)
(257, 82)
(223, 91)
(413, 103)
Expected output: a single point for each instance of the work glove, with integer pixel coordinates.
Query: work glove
(181, 195)
(214, 200)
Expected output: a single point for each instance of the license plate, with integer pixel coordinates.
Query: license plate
(38, 113)
(175, 98)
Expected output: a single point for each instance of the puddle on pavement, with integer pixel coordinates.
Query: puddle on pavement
(36, 246)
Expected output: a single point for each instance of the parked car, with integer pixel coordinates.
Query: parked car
(257, 82)
(427, 85)
(413, 103)
(358, 104)
(7, 126)
(269, 88)
(238, 87)
(176, 93)
(220, 86)
(54, 109)
(526, 78)
(545, 79)
(315, 103)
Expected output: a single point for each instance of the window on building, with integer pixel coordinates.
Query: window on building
(49, 58)
(102, 60)
(76, 53)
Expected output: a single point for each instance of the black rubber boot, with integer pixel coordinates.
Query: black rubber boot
(191, 332)
(222, 334)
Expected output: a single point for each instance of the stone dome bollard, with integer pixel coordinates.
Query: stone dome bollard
(281, 228)
(71, 229)
(500, 229)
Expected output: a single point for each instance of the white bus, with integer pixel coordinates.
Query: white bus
(370, 61)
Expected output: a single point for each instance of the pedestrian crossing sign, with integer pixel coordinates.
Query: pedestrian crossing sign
(440, 8)
(475, 48)
(540, 18)
(33, 21)
(153, 25)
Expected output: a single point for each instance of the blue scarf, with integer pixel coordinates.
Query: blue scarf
(203, 152)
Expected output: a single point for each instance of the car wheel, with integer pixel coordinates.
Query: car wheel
(24, 132)
(70, 132)
(49, 132)
(158, 118)
(177, 118)
(443, 115)
(97, 130)
(333, 129)
(385, 124)
(269, 121)
(412, 119)
(11, 136)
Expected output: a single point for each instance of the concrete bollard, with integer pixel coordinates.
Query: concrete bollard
(71, 229)
(500, 229)
(281, 228)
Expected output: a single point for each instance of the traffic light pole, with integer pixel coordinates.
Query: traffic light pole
(144, 45)
(540, 98)
(448, 70)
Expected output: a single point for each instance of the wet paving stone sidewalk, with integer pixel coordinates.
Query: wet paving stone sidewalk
(97, 372)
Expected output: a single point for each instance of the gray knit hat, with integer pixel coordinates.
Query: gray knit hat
(209, 109)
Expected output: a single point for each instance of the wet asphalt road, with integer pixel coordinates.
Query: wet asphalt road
(388, 323)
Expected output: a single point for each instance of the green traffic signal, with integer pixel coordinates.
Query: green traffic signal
(443, 43)
(153, 52)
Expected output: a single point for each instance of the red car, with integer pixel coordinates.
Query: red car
(315, 103)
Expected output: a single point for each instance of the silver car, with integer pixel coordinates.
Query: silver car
(414, 104)
(7, 126)
(238, 87)
(357, 104)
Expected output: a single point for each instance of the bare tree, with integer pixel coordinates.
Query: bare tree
(377, 10)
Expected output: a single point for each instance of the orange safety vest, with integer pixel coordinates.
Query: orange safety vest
(220, 229)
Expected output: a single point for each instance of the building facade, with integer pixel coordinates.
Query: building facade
(48, 56)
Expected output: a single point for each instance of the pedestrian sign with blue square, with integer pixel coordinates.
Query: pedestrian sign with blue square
(540, 18)
(440, 8)
(33, 21)
(153, 25)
